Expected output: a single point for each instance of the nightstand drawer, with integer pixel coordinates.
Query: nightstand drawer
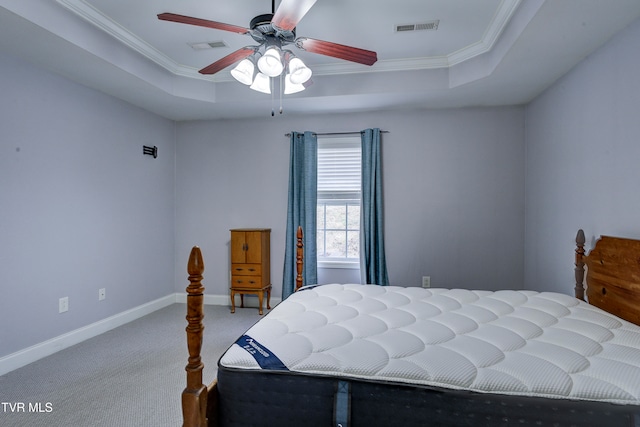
(246, 269)
(246, 282)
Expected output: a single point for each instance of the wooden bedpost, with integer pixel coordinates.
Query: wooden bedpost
(579, 289)
(194, 396)
(299, 258)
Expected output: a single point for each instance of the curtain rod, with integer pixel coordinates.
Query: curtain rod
(336, 133)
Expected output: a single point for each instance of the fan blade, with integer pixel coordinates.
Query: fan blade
(228, 60)
(202, 23)
(290, 12)
(348, 53)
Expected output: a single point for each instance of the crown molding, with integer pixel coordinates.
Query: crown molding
(500, 20)
(97, 18)
(498, 23)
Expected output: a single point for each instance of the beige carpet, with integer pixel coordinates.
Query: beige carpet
(130, 376)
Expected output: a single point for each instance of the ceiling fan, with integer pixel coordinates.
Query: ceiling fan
(273, 32)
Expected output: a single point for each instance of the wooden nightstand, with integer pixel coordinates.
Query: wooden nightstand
(250, 264)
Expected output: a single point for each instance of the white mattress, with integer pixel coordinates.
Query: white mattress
(509, 342)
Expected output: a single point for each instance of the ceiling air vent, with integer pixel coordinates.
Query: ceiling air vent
(429, 25)
(207, 45)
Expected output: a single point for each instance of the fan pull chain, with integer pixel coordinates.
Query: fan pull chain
(273, 113)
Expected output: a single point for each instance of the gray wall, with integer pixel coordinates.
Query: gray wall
(80, 207)
(583, 161)
(453, 182)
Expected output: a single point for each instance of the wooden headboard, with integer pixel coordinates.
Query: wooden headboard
(612, 275)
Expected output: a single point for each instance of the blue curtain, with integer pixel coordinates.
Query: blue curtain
(301, 211)
(373, 265)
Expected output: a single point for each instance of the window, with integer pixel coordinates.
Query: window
(339, 188)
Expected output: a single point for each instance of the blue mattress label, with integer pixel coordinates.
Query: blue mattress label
(265, 358)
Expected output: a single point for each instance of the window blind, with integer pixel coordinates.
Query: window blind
(339, 168)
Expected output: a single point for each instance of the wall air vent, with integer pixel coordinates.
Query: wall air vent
(207, 45)
(429, 25)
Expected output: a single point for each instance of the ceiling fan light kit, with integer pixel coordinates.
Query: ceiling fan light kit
(262, 83)
(272, 32)
(271, 62)
(291, 87)
(298, 72)
(244, 71)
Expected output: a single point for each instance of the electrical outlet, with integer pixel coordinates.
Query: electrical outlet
(426, 281)
(63, 304)
(102, 294)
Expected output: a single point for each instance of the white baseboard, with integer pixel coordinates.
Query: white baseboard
(38, 351)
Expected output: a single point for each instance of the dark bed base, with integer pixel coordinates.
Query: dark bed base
(277, 399)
